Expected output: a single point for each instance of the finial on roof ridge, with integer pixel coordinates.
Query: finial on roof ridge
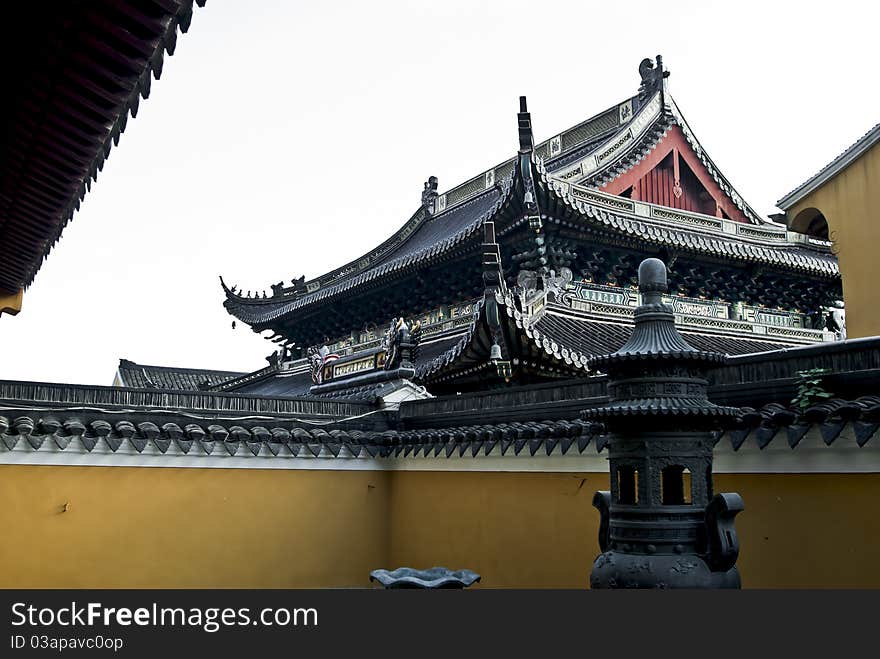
(524, 119)
(652, 76)
(429, 195)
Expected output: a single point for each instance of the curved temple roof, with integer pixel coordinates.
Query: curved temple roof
(567, 170)
(421, 239)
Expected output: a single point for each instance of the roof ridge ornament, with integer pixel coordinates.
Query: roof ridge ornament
(529, 199)
(652, 77)
(429, 195)
(526, 147)
(524, 118)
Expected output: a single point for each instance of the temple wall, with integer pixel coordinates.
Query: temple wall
(514, 529)
(10, 303)
(139, 527)
(539, 529)
(189, 527)
(850, 203)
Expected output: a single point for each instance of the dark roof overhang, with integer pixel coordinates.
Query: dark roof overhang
(409, 255)
(75, 71)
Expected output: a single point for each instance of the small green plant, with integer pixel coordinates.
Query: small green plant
(810, 390)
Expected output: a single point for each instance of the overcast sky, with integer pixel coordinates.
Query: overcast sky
(287, 138)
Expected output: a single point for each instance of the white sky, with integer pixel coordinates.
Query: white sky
(287, 138)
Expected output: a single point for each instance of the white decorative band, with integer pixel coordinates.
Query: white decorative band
(810, 456)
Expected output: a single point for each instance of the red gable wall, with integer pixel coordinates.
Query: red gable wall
(672, 175)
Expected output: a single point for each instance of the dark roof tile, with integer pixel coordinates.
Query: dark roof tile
(142, 376)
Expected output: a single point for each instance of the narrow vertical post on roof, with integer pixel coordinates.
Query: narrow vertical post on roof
(661, 526)
(524, 117)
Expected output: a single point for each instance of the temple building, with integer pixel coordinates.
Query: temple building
(521, 274)
(442, 399)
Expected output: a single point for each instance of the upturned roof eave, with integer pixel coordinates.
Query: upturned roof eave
(268, 312)
(421, 216)
(384, 271)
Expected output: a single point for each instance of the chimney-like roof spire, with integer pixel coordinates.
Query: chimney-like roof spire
(526, 141)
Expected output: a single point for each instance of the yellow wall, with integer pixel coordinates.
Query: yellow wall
(850, 203)
(10, 303)
(514, 529)
(540, 529)
(189, 528)
(162, 527)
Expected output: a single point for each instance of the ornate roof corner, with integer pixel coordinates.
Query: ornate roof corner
(527, 160)
(526, 155)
